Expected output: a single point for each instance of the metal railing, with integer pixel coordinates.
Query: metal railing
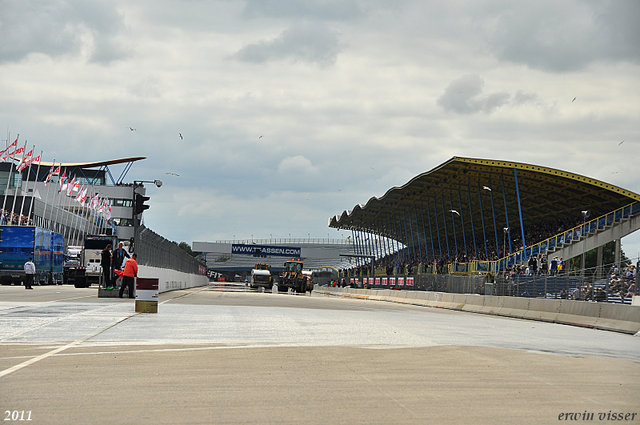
(155, 251)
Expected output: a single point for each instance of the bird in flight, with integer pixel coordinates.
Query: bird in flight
(574, 99)
(260, 137)
(455, 212)
(181, 138)
(620, 143)
(173, 174)
(131, 128)
(486, 188)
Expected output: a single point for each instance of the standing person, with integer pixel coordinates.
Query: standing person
(30, 271)
(105, 262)
(130, 272)
(117, 258)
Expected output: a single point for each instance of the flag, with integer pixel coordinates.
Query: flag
(25, 161)
(63, 184)
(82, 196)
(95, 202)
(70, 186)
(52, 172)
(76, 186)
(9, 150)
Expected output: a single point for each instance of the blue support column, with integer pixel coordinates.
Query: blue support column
(413, 243)
(401, 238)
(524, 244)
(353, 242)
(406, 235)
(464, 236)
(424, 232)
(493, 213)
(435, 210)
(473, 231)
(453, 224)
(506, 214)
(484, 233)
(446, 232)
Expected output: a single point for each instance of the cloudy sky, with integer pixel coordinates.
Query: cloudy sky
(293, 111)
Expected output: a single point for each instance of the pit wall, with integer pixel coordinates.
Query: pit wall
(611, 317)
(170, 280)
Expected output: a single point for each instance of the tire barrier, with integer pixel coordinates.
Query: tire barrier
(611, 317)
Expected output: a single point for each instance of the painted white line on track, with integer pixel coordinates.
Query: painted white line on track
(58, 350)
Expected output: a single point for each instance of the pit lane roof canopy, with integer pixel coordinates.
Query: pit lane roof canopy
(469, 195)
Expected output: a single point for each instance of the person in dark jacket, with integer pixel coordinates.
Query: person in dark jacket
(105, 262)
(117, 259)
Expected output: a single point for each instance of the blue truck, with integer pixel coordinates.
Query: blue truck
(19, 243)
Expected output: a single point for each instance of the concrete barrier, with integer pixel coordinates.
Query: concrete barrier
(474, 303)
(459, 301)
(492, 304)
(514, 307)
(618, 317)
(605, 316)
(543, 310)
(579, 313)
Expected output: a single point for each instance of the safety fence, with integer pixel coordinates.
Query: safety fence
(155, 251)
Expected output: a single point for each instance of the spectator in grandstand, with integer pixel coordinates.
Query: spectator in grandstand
(632, 291)
(554, 266)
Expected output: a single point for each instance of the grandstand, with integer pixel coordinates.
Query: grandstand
(481, 216)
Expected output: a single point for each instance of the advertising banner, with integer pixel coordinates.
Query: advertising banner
(277, 251)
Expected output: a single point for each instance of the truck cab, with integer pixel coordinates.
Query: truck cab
(261, 276)
(293, 277)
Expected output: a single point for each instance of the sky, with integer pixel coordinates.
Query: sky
(294, 111)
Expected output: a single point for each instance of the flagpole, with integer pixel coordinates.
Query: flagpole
(35, 182)
(26, 184)
(46, 199)
(6, 191)
(58, 223)
(13, 206)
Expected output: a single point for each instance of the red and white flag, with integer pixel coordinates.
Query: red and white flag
(70, 186)
(52, 172)
(63, 184)
(9, 150)
(25, 161)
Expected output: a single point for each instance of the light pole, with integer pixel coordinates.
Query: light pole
(585, 214)
(504, 249)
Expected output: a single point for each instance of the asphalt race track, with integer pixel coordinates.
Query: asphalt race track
(222, 356)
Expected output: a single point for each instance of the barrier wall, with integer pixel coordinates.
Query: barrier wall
(612, 317)
(170, 280)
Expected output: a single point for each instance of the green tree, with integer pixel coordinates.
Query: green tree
(187, 248)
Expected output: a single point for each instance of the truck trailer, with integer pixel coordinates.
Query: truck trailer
(19, 243)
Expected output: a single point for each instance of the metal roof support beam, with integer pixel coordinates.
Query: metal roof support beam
(419, 256)
(435, 210)
(401, 238)
(473, 232)
(424, 234)
(493, 212)
(406, 235)
(413, 244)
(433, 251)
(453, 224)
(524, 243)
(464, 236)
(506, 214)
(444, 221)
(353, 242)
(392, 226)
(484, 233)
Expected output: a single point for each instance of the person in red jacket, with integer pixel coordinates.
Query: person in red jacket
(130, 272)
